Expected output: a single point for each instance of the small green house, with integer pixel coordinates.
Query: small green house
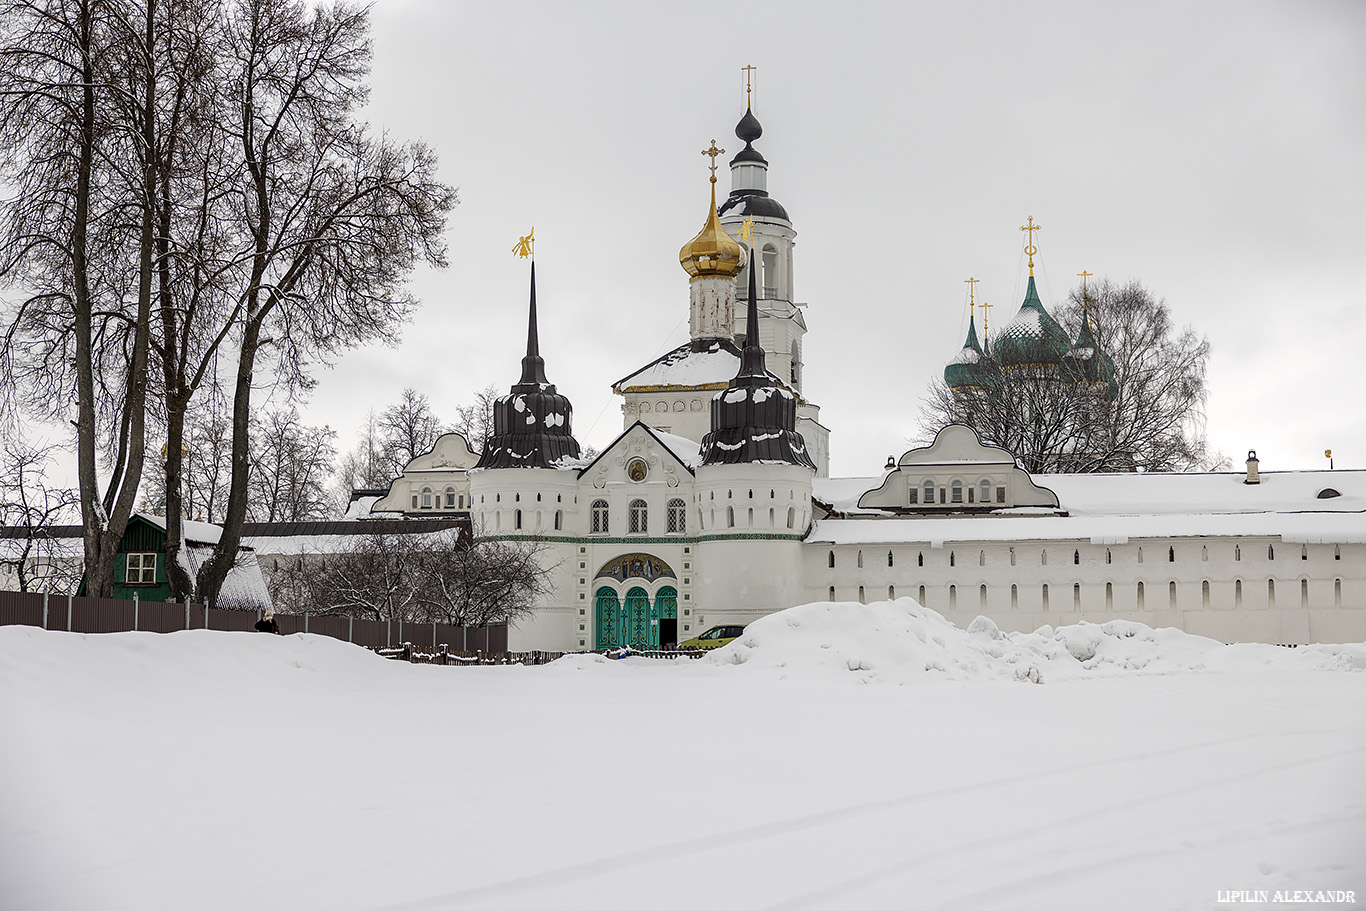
(140, 567)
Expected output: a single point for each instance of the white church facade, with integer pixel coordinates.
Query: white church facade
(714, 504)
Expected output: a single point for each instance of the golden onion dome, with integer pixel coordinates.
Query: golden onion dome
(712, 253)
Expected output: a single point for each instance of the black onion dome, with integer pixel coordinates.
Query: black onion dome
(748, 129)
(531, 425)
(754, 419)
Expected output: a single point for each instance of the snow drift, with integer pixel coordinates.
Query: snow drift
(900, 642)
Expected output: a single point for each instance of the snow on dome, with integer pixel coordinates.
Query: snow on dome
(902, 643)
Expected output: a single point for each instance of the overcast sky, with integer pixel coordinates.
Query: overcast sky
(1215, 150)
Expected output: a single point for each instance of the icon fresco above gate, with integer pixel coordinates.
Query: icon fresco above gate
(636, 566)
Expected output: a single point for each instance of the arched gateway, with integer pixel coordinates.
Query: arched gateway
(635, 603)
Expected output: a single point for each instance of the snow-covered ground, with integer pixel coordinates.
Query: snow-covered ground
(836, 756)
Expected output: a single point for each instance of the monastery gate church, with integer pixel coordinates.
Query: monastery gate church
(714, 505)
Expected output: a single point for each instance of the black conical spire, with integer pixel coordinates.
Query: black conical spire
(752, 364)
(755, 418)
(531, 426)
(533, 365)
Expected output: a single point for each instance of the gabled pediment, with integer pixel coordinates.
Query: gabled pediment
(451, 451)
(639, 447)
(957, 473)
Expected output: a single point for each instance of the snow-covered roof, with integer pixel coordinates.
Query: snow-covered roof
(195, 532)
(1108, 508)
(712, 366)
(689, 452)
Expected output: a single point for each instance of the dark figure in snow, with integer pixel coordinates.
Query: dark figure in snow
(267, 623)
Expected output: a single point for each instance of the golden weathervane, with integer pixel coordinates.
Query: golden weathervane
(1030, 249)
(747, 231)
(524, 245)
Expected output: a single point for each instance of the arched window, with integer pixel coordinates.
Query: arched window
(1237, 553)
(1045, 596)
(982, 598)
(1140, 555)
(599, 513)
(1109, 596)
(889, 558)
(860, 559)
(956, 492)
(1043, 557)
(796, 372)
(450, 498)
(891, 593)
(791, 515)
(517, 519)
(832, 559)
(1076, 596)
(559, 519)
(861, 598)
(981, 558)
(832, 593)
(426, 498)
(920, 559)
(1304, 552)
(951, 558)
(1270, 592)
(953, 597)
(1204, 593)
(1108, 558)
(1271, 551)
(1304, 593)
(639, 517)
(1171, 594)
(1140, 596)
(1238, 593)
(984, 494)
(922, 596)
(929, 493)
(1204, 553)
(1171, 554)
(1076, 558)
(1014, 597)
(678, 517)
(1012, 556)
(730, 516)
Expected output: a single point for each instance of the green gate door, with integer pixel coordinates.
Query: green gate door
(638, 624)
(608, 619)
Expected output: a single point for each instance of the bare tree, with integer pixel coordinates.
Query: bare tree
(334, 218)
(438, 576)
(475, 421)
(474, 584)
(378, 580)
(408, 428)
(30, 506)
(76, 241)
(291, 463)
(1146, 414)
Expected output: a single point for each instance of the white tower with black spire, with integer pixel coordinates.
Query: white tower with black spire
(782, 323)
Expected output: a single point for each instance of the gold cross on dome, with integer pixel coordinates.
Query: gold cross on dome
(985, 307)
(713, 152)
(749, 71)
(524, 245)
(1030, 249)
(972, 286)
(1083, 274)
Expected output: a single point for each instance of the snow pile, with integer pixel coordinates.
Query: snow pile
(900, 642)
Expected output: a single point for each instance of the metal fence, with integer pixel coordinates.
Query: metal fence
(114, 615)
